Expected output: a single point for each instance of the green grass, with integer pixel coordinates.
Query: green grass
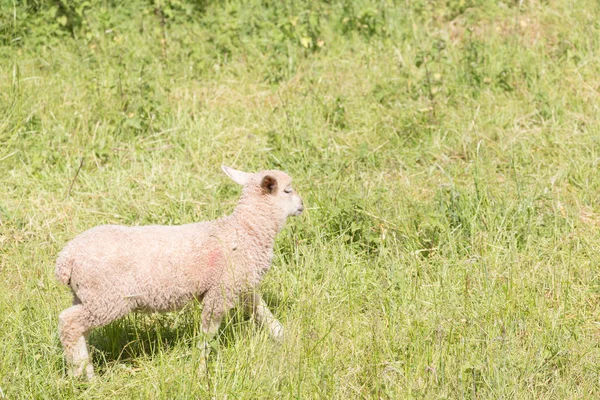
(448, 155)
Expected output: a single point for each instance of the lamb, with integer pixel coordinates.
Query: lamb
(113, 270)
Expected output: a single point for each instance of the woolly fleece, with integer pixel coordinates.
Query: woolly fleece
(114, 270)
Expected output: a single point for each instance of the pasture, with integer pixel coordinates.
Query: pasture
(448, 154)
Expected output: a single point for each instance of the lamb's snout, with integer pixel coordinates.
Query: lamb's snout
(300, 208)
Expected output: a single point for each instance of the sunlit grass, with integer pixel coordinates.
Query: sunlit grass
(448, 158)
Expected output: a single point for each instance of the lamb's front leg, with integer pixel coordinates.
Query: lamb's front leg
(256, 306)
(213, 310)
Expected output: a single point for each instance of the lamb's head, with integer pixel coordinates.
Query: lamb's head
(271, 189)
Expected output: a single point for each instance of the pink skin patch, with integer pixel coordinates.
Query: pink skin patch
(214, 257)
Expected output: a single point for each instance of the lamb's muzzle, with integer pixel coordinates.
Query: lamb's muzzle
(113, 270)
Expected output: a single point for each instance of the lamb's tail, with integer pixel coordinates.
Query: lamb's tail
(64, 267)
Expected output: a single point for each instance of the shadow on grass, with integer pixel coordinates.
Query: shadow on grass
(142, 336)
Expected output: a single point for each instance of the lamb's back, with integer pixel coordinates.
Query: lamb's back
(119, 252)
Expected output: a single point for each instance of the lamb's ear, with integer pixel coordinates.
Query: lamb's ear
(268, 184)
(238, 177)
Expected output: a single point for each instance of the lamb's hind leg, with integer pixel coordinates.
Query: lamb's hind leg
(73, 326)
(256, 306)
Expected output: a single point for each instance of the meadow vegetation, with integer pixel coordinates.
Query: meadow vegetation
(447, 153)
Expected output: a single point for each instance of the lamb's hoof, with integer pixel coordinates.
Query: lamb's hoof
(84, 372)
(277, 332)
(205, 348)
(202, 368)
(89, 372)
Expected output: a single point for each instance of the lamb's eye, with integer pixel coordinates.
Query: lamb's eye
(288, 190)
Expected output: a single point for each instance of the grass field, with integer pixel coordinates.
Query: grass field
(448, 155)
